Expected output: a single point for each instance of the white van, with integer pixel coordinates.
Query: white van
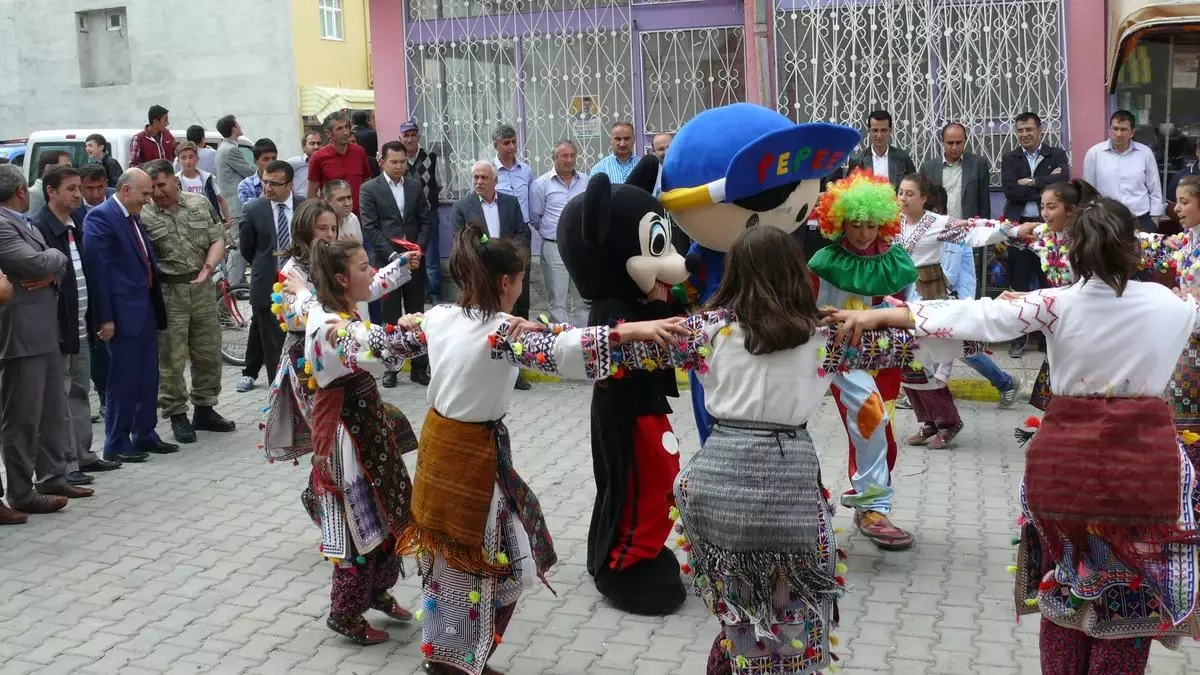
(73, 140)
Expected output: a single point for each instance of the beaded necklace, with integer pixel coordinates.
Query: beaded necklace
(1184, 262)
(1052, 250)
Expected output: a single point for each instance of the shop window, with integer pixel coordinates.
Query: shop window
(461, 9)
(553, 69)
(461, 92)
(1159, 84)
(1001, 59)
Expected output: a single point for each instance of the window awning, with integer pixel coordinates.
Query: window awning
(1130, 20)
(320, 101)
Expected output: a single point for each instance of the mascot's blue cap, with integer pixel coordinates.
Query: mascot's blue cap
(740, 150)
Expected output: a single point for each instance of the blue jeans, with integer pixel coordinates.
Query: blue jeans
(983, 364)
(433, 264)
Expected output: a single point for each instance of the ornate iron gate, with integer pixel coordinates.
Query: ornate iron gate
(928, 62)
(564, 69)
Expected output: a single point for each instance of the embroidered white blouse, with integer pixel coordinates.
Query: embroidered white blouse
(292, 310)
(469, 384)
(923, 239)
(1097, 343)
(473, 365)
(785, 387)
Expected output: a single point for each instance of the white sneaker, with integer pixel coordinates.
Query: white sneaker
(902, 402)
(245, 384)
(1009, 396)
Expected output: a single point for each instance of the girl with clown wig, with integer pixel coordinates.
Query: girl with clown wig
(862, 270)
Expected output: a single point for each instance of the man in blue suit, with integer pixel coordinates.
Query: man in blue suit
(94, 185)
(129, 311)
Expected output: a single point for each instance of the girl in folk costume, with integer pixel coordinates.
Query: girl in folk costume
(922, 235)
(287, 434)
(1180, 254)
(756, 520)
(1109, 549)
(359, 491)
(1184, 391)
(861, 271)
(1051, 243)
(476, 528)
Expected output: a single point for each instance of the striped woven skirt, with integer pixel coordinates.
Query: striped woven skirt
(759, 530)
(465, 610)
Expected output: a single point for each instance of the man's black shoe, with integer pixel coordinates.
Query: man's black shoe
(100, 465)
(182, 429)
(207, 419)
(160, 448)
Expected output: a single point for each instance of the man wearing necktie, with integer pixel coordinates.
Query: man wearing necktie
(129, 310)
(266, 230)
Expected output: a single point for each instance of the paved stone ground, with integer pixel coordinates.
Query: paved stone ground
(204, 562)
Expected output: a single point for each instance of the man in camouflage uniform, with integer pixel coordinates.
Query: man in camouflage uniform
(188, 243)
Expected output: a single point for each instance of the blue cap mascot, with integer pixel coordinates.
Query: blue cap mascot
(741, 166)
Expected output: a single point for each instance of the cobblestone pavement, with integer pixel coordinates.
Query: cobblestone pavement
(204, 562)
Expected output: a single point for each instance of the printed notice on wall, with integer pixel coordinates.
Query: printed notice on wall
(585, 116)
(1185, 71)
(589, 128)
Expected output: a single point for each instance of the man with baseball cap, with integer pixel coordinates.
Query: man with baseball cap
(422, 166)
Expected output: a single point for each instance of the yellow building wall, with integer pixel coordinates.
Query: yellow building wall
(344, 64)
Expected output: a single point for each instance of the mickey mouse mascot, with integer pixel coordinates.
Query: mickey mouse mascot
(616, 244)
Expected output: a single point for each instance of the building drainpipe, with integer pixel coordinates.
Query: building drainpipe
(1087, 93)
(756, 16)
(366, 26)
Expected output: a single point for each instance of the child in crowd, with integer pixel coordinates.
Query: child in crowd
(757, 521)
(289, 410)
(475, 526)
(1110, 500)
(359, 489)
(923, 234)
(1051, 243)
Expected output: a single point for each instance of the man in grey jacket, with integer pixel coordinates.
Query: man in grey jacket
(232, 167)
(965, 176)
(33, 402)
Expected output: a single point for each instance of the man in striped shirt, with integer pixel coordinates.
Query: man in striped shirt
(61, 226)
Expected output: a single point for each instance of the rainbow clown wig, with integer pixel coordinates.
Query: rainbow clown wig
(860, 197)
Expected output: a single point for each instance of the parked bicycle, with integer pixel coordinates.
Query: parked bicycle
(233, 310)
